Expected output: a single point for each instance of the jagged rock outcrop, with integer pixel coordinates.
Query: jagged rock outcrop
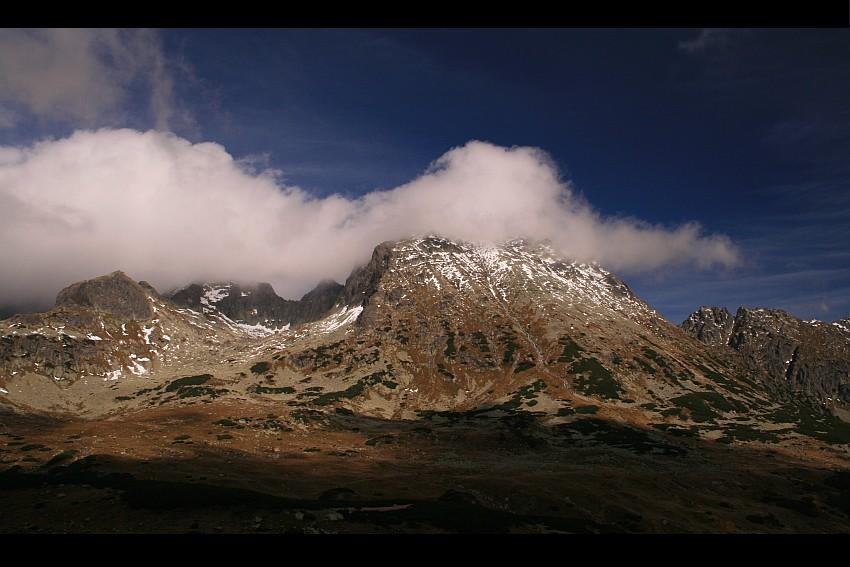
(711, 325)
(809, 358)
(362, 283)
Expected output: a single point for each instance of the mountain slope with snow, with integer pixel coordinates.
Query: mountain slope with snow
(428, 324)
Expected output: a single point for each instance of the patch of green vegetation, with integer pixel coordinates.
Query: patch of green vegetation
(267, 390)
(742, 432)
(813, 421)
(271, 424)
(655, 357)
(480, 341)
(587, 409)
(523, 366)
(529, 391)
(618, 436)
(718, 378)
(701, 409)
(199, 391)
(704, 406)
(182, 437)
(677, 430)
(260, 368)
(596, 379)
(451, 349)
(647, 367)
(564, 412)
(379, 377)
(351, 392)
(224, 436)
(123, 398)
(662, 363)
(677, 412)
(571, 350)
(508, 340)
(188, 381)
(445, 371)
(357, 389)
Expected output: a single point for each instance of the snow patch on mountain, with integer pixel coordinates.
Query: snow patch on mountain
(337, 320)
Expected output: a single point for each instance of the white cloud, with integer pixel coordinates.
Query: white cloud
(85, 76)
(169, 211)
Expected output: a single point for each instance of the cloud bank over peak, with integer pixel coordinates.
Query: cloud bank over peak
(169, 211)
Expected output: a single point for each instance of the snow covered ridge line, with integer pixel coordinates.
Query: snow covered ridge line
(516, 263)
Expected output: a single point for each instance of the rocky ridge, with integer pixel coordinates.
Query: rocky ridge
(256, 307)
(427, 325)
(803, 358)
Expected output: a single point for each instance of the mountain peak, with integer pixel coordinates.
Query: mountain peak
(477, 273)
(115, 293)
(711, 325)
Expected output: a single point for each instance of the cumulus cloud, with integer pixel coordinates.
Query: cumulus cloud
(169, 211)
(85, 76)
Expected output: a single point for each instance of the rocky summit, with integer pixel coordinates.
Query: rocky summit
(444, 386)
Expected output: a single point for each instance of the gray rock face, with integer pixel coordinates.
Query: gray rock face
(362, 285)
(115, 294)
(363, 281)
(711, 325)
(317, 302)
(808, 358)
(62, 358)
(259, 304)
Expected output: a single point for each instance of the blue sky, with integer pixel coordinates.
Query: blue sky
(745, 131)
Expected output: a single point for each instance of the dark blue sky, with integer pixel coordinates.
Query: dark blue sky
(744, 131)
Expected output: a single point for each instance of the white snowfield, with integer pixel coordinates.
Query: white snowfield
(260, 330)
(338, 319)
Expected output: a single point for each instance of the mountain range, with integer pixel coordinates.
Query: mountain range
(479, 369)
